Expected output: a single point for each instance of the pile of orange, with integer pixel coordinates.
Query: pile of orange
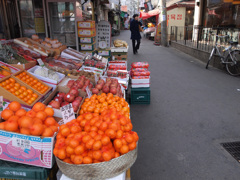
(27, 95)
(95, 137)
(38, 121)
(33, 82)
(99, 103)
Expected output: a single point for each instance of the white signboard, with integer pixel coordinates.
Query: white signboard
(104, 33)
(67, 113)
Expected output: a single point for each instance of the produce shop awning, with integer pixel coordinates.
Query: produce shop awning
(145, 15)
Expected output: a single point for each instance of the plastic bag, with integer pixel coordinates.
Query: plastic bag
(140, 65)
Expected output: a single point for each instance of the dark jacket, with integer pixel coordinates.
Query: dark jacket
(134, 28)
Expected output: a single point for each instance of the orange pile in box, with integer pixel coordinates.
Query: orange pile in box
(27, 95)
(95, 137)
(37, 122)
(34, 83)
(99, 103)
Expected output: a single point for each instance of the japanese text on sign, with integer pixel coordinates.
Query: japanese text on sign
(67, 113)
(104, 33)
(22, 143)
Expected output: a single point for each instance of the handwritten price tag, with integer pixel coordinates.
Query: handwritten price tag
(67, 113)
(40, 62)
(89, 93)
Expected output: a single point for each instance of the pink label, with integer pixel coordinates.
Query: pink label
(24, 149)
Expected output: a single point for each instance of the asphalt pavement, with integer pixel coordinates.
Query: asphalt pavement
(192, 111)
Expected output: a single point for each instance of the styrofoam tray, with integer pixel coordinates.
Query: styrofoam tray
(119, 49)
(48, 81)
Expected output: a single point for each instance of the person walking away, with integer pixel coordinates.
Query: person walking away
(135, 33)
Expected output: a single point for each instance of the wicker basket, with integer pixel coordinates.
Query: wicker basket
(98, 171)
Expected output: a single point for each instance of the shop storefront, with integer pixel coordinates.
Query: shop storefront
(221, 14)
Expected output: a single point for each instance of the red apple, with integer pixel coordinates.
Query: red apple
(87, 82)
(95, 91)
(55, 104)
(75, 108)
(101, 81)
(99, 86)
(69, 97)
(113, 90)
(105, 89)
(79, 98)
(64, 103)
(59, 99)
(61, 95)
(76, 102)
(74, 91)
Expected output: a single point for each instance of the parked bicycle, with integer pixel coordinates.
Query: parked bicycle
(229, 57)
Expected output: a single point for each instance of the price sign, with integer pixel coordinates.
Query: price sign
(104, 34)
(40, 62)
(67, 113)
(89, 93)
(22, 143)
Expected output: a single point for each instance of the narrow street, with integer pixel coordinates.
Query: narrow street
(192, 111)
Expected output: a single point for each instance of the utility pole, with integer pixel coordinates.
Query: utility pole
(137, 6)
(163, 19)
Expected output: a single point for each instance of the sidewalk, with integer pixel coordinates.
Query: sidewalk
(192, 109)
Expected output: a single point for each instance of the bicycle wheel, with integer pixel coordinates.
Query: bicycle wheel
(233, 63)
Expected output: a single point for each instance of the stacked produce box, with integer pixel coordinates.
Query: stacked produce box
(106, 53)
(119, 50)
(87, 37)
(70, 105)
(140, 83)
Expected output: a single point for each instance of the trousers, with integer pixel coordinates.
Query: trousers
(135, 47)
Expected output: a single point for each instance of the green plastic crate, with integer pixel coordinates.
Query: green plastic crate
(11, 170)
(140, 95)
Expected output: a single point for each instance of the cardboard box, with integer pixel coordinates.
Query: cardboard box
(86, 24)
(13, 69)
(44, 95)
(9, 96)
(119, 56)
(91, 53)
(89, 40)
(86, 32)
(87, 47)
(57, 112)
(26, 66)
(25, 149)
(104, 52)
(119, 49)
(139, 83)
(49, 82)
